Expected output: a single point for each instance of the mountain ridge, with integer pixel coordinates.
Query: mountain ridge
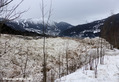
(53, 28)
(61, 29)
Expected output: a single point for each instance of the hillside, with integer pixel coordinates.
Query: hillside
(63, 29)
(36, 26)
(5, 29)
(110, 30)
(85, 30)
(93, 29)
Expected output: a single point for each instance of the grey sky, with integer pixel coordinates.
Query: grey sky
(71, 11)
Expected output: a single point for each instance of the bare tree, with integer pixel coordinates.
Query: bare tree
(96, 62)
(59, 66)
(44, 36)
(101, 52)
(8, 13)
(26, 62)
(91, 62)
(67, 63)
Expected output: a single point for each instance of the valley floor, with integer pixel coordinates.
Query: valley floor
(23, 56)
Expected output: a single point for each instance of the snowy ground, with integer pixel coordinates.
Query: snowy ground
(14, 50)
(109, 72)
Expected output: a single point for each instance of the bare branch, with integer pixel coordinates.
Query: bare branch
(3, 3)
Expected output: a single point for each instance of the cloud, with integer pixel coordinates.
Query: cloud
(72, 11)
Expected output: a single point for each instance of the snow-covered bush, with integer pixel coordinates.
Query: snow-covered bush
(20, 56)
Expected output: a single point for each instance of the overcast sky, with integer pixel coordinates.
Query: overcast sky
(72, 11)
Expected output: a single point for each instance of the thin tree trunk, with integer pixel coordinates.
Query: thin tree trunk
(67, 66)
(59, 66)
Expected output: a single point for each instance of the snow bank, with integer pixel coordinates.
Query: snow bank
(109, 72)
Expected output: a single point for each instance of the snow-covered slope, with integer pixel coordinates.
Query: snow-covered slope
(109, 72)
(36, 25)
(85, 30)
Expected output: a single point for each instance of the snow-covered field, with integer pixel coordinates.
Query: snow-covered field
(15, 50)
(109, 72)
